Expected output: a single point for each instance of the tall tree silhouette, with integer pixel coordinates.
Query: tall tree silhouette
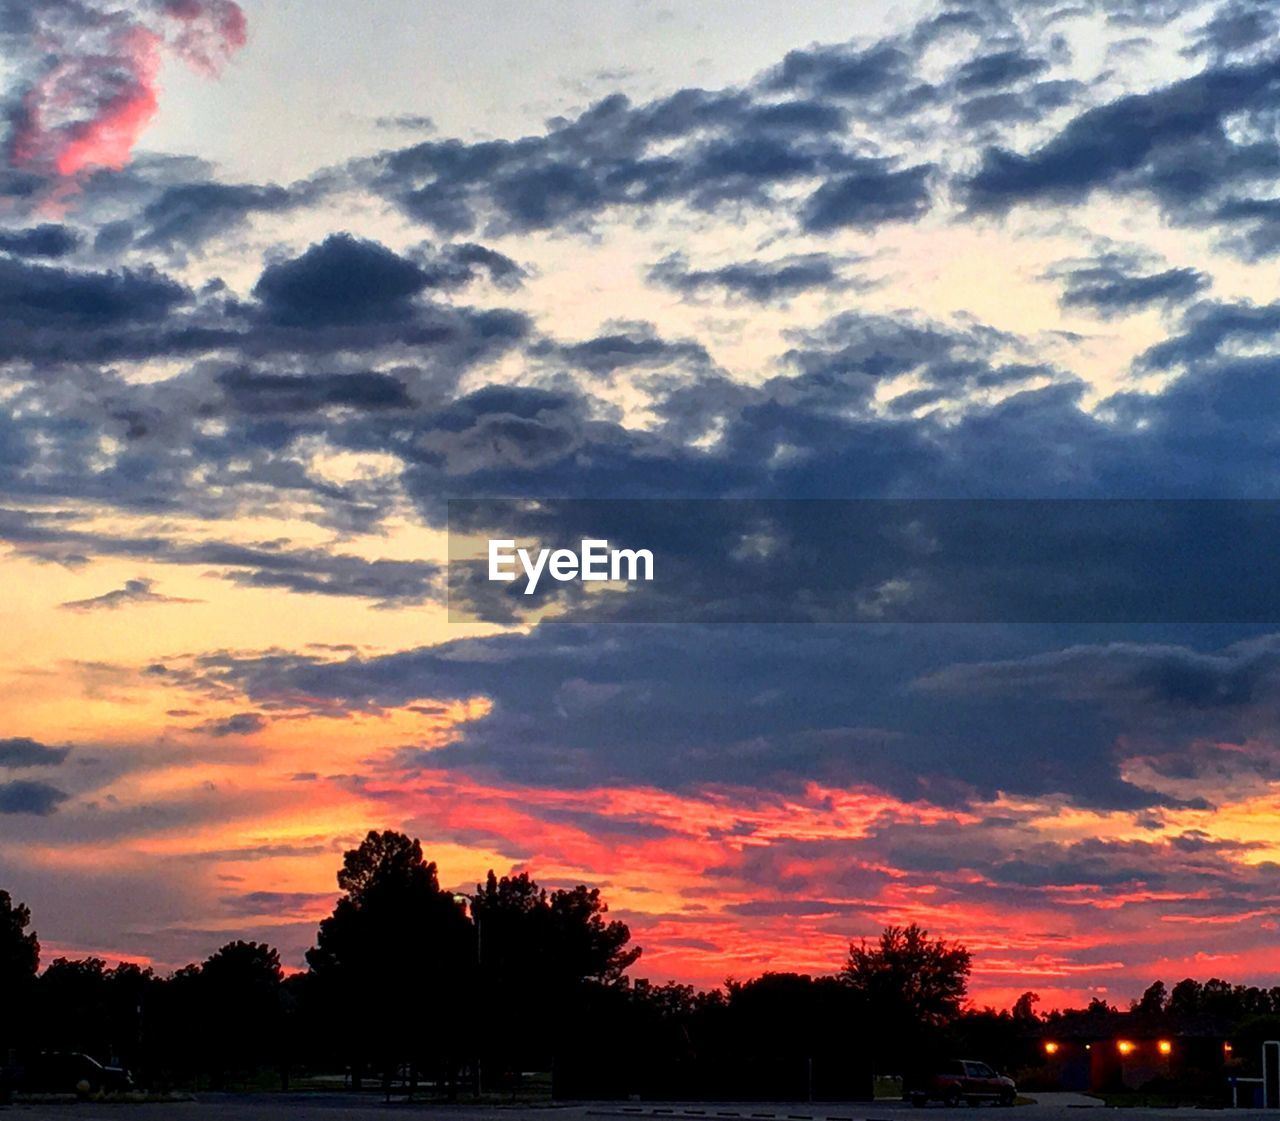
(394, 961)
(537, 952)
(1153, 999)
(73, 1006)
(910, 986)
(239, 989)
(19, 960)
(562, 935)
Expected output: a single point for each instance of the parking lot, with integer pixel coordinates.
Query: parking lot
(331, 1107)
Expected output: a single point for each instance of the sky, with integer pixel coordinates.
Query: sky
(279, 280)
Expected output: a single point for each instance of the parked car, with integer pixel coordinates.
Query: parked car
(964, 1080)
(68, 1072)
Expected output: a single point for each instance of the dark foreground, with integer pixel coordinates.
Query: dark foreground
(332, 1107)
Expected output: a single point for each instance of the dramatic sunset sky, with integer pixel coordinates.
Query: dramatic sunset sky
(278, 279)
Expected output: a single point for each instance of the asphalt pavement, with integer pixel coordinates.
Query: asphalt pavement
(332, 1106)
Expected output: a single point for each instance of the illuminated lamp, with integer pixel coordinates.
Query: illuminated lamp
(1124, 1047)
(1050, 1048)
(1227, 1048)
(1165, 1047)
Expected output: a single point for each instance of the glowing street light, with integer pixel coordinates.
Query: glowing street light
(1165, 1047)
(1051, 1048)
(1124, 1047)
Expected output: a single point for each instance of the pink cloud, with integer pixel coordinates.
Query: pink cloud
(89, 84)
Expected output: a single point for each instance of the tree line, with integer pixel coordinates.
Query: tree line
(447, 994)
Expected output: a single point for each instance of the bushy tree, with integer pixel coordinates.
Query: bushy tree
(239, 997)
(909, 976)
(19, 960)
(910, 986)
(394, 960)
(1153, 999)
(537, 953)
(72, 996)
(1024, 1008)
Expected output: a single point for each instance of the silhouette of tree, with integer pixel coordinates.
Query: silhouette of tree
(84, 1006)
(402, 976)
(394, 960)
(1221, 999)
(586, 946)
(129, 990)
(910, 974)
(537, 952)
(1153, 1000)
(910, 986)
(175, 1027)
(1024, 1008)
(798, 1034)
(19, 960)
(19, 951)
(563, 934)
(1008, 1040)
(239, 996)
(73, 1006)
(1184, 999)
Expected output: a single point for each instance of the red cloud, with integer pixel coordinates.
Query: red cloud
(90, 80)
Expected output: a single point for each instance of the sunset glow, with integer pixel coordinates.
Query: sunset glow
(271, 295)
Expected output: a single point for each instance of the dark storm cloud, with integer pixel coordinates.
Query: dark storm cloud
(1237, 26)
(38, 799)
(19, 751)
(350, 281)
(341, 280)
(460, 263)
(1206, 331)
(1252, 226)
(134, 593)
(277, 903)
(871, 74)
(241, 724)
(254, 392)
(336, 299)
(993, 71)
(318, 572)
(46, 240)
(1202, 717)
(761, 708)
(1017, 106)
(186, 215)
(317, 357)
(35, 297)
(705, 149)
(1173, 143)
(815, 430)
(388, 583)
(273, 564)
(760, 280)
(628, 346)
(347, 294)
(1169, 683)
(945, 561)
(1114, 284)
(875, 191)
(1195, 874)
